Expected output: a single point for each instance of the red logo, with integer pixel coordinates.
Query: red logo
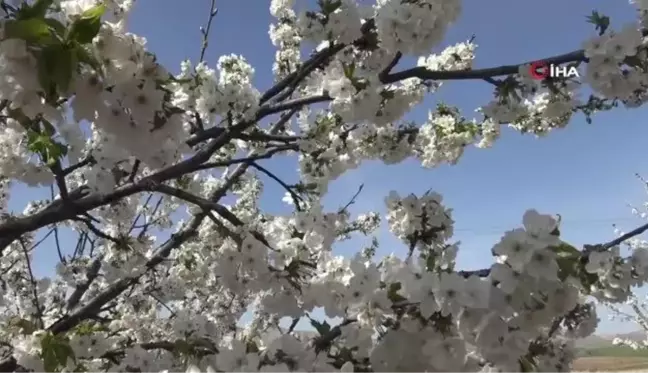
(539, 70)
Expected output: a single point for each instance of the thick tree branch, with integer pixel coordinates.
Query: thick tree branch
(633, 233)
(81, 289)
(422, 73)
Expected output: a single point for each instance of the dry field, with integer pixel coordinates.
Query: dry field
(611, 364)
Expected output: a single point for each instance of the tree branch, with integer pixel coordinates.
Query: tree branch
(297, 199)
(423, 73)
(81, 289)
(94, 306)
(213, 11)
(246, 160)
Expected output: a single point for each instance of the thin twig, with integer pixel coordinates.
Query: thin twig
(172, 312)
(146, 226)
(625, 237)
(148, 199)
(297, 199)
(268, 154)
(34, 284)
(205, 31)
(353, 200)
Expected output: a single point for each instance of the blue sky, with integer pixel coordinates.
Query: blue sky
(585, 172)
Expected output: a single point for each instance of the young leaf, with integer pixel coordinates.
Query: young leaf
(37, 10)
(83, 55)
(56, 351)
(25, 326)
(321, 327)
(349, 69)
(96, 12)
(56, 26)
(601, 22)
(251, 347)
(84, 29)
(182, 348)
(50, 362)
(35, 31)
(55, 153)
(49, 150)
(45, 65)
(56, 63)
(64, 67)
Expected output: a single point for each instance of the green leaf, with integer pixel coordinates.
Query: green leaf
(84, 328)
(37, 10)
(35, 31)
(65, 66)
(251, 347)
(329, 6)
(84, 29)
(182, 348)
(36, 142)
(566, 250)
(56, 351)
(430, 262)
(321, 327)
(26, 327)
(526, 365)
(84, 55)
(56, 26)
(567, 258)
(50, 360)
(45, 65)
(96, 12)
(56, 63)
(55, 153)
(63, 352)
(392, 293)
(601, 22)
(349, 70)
(49, 150)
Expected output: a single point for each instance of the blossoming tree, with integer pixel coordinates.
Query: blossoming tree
(79, 97)
(635, 308)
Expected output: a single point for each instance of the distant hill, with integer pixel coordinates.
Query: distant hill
(601, 345)
(633, 336)
(594, 341)
(604, 340)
